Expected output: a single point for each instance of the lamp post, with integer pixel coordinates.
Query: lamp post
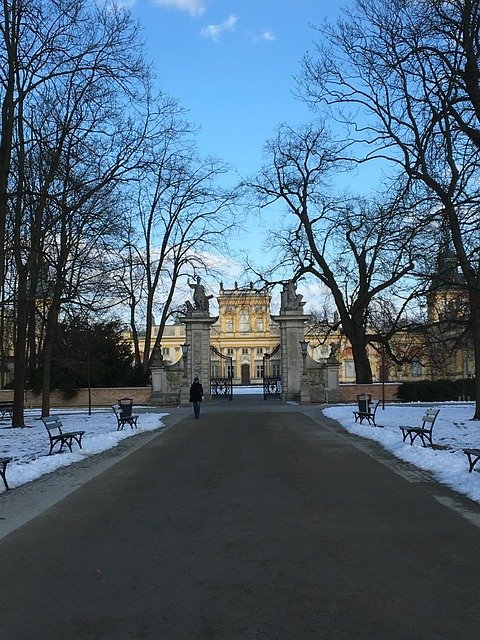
(184, 356)
(304, 348)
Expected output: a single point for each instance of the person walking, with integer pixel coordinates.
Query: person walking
(196, 396)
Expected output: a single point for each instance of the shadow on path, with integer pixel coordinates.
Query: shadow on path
(253, 522)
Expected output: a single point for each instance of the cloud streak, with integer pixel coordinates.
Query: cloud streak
(267, 36)
(214, 31)
(194, 7)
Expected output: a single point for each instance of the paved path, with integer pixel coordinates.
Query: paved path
(260, 522)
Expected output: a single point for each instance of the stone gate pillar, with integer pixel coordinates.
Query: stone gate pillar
(332, 371)
(198, 323)
(197, 330)
(292, 330)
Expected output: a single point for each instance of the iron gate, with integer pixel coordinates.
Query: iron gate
(272, 385)
(222, 387)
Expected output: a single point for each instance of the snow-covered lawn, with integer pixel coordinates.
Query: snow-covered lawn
(29, 447)
(453, 431)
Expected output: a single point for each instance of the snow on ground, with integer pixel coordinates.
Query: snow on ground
(29, 446)
(453, 430)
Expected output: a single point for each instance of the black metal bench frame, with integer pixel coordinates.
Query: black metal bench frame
(423, 432)
(6, 407)
(56, 434)
(3, 470)
(369, 415)
(122, 420)
(473, 457)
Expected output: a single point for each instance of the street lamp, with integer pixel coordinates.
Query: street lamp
(304, 348)
(184, 355)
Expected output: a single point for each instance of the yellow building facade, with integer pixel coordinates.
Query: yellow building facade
(245, 333)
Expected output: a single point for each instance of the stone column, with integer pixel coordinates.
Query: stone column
(159, 383)
(305, 391)
(292, 329)
(197, 329)
(159, 378)
(332, 389)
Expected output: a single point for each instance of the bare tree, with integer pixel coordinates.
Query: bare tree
(403, 75)
(183, 215)
(76, 71)
(359, 250)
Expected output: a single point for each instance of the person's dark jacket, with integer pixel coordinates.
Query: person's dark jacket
(196, 392)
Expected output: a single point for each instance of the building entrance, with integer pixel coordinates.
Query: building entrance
(245, 373)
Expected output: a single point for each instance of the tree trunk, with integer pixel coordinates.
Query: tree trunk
(50, 333)
(46, 368)
(20, 356)
(354, 331)
(474, 300)
(7, 124)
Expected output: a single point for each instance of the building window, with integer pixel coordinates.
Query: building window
(416, 369)
(229, 351)
(276, 369)
(259, 324)
(245, 351)
(259, 371)
(231, 370)
(215, 372)
(165, 351)
(349, 369)
(229, 325)
(259, 351)
(244, 322)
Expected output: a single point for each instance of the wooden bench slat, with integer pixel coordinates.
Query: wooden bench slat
(122, 420)
(369, 415)
(56, 434)
(423, 432)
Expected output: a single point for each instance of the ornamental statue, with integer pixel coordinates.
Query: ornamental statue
(290, 300)
(200, 298)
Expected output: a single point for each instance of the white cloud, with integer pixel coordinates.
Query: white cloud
(194, 7)
(267, 35)
(214, 31)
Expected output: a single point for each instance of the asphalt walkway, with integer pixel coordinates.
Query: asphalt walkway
(258, 521)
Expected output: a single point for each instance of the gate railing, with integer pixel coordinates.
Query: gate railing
(221, 387)
(272, 385)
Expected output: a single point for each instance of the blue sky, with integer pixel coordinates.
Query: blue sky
(231, 64)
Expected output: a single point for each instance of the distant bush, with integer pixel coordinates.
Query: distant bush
(437, 390)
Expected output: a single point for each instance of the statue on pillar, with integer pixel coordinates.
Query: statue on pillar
(290, 300)
(333, 356)
(156, 359)
(200, 298)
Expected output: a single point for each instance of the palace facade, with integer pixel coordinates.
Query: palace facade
(245, 333)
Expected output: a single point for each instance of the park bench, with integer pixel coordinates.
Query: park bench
(473, 457)
(58, 436)
(6, 406)
(424, 432)
(367, 414)
(3, 470)
(124, 418)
